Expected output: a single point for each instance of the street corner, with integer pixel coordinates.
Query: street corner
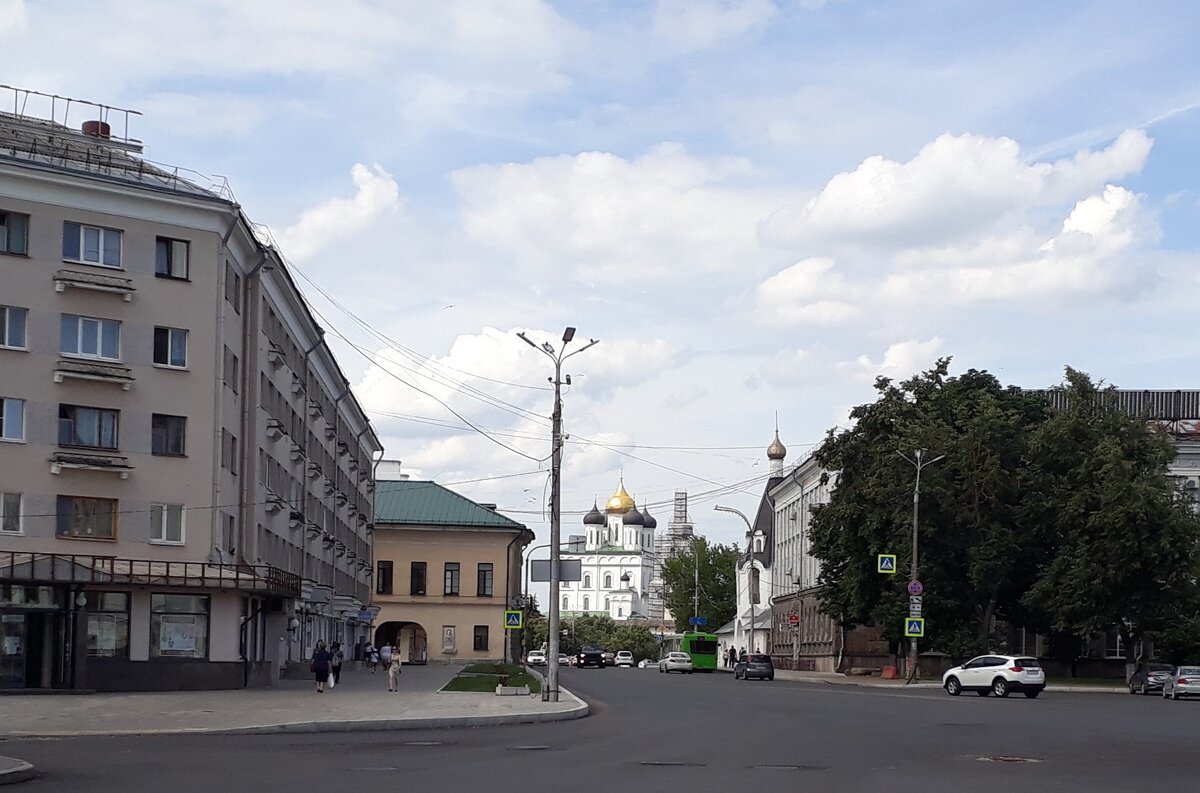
(13, 770)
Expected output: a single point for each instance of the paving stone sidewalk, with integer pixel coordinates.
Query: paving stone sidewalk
(360, 702)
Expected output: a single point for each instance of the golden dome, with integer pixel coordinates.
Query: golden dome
(776, 451)
(620, 502)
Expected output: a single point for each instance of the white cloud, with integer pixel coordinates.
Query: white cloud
(14, 17)
(596, 216)
(810, 292)
(900, 360)
(688, 25)
(377, 194)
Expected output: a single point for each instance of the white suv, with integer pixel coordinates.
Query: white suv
(625, 658)
(996, 674)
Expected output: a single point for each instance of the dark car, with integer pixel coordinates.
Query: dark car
(591, 656)
(754, 665)
(1149, 677)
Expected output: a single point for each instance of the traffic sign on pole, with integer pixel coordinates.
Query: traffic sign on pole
(915, 588)
(886, 563)
(914, 627)
(698, 620)
(914, 606)
(794, 619)
(514, 620)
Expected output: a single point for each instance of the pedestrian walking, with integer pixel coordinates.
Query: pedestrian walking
(393, 667)
(369, 657)
(335, 664)
(385, 655)
(320, 666)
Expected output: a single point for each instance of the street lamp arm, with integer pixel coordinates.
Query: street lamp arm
(591, 343)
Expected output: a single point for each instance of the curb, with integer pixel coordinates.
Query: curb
(13, 771)
(310, 727)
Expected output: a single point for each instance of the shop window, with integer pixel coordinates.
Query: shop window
(179, 626)
(107, 624)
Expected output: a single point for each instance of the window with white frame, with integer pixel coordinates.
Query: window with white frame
(12, 419)
(86, 518)
(170, 347)
(91, 427)
(12, 327)
(171, 258)
(90, 337)
(14, 232)
(166, 524)
(91, 245)
(10, 513)
(608, 580)
(1114, 645)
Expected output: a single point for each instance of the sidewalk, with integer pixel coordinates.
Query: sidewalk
(870, 681)
(360, 702)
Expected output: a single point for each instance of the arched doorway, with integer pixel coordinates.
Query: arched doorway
(410, 637)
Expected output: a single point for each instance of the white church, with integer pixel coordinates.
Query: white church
(617, 561)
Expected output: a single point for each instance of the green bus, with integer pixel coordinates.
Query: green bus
(702, 647)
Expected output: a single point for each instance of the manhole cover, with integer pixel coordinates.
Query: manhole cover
(671, 763)
(1007, 758)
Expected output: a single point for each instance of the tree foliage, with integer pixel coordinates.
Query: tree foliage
(717, 598)
(1061, 522)
(596, 630)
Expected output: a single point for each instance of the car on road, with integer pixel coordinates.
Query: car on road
(609, 659)
(997, 674)
(536, 658)
(1182, 682)
(1149, 677)
(590, 656)
(675, 662)
(755, 665)
(564, 659)
(625, 658)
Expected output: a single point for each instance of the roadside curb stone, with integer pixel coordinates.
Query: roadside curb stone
(13, 770)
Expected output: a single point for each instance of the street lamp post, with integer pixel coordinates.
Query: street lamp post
(556, 437)
(918, 461)
(750, 560)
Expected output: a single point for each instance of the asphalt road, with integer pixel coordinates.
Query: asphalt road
(693, 733)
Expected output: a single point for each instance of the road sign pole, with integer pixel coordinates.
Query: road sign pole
(919, 463)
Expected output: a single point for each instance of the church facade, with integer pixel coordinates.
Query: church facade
(617, 559)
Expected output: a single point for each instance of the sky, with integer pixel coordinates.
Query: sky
(757, 207)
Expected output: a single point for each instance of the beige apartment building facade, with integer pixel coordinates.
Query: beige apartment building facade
(185, 477)
(446, 570)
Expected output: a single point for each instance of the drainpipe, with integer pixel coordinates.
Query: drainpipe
(303, 441)
(509, 653)
(251, 299)
(215, 521)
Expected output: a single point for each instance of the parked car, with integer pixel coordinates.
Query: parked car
(609, 659)
(1149, 677)
(625, 658)
(536, 658)
(590, 656)
(1182, 682)
(564, 659)
(675, 662)
(755, 665)
(645, 663)
(997, 674)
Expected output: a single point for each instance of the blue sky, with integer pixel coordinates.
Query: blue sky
(757, 206)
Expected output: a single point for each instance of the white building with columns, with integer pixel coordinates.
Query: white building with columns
(617, 561)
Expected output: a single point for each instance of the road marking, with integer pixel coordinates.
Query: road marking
(672, 763)
(530, 748)
(1005, 758)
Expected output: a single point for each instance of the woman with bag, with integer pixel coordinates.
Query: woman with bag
(320, 666)
(393, 669)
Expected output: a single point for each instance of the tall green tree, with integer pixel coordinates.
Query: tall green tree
(717, 595)
(973, 560)
(1125, 546)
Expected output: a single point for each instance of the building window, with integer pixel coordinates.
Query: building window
(10, 513)
(170, 347)
(12, 327)
(608, 604)
(12, 419)
(233, 287)
(95, 428)
(620, 611)
(564, 603)
(383, 578)
(481, 638)
(1114, 645)
(754, 585)
(171, 258)
(229, 456)
(586, 603)
(166, 524)
(231, 370)
(483, 580)
(107, 624)
(178, 626)
(88, 337)
(91, 245)
(587, 581)
(450, 585)
(608, 581)
(87, 518)
(168, 434)
(14, 232)
(416, 584)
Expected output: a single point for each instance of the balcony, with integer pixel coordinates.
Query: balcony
(94, 282)
(95, 371)
(111, 464)
(275, 358)
(275, 429)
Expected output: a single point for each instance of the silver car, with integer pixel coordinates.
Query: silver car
(675, 662)
(1183, 682)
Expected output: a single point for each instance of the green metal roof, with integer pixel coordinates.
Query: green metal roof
(413, 503)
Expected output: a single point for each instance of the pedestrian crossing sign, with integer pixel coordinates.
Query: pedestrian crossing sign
(887, 563)
(914, 627)
(514, 620)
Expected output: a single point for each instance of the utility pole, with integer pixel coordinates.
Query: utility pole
(750, 565)
(918, 461)
(550, 693)
(695, 579)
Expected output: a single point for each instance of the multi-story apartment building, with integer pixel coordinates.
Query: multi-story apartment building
(185, 477)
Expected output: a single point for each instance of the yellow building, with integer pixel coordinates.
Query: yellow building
(446, 569)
